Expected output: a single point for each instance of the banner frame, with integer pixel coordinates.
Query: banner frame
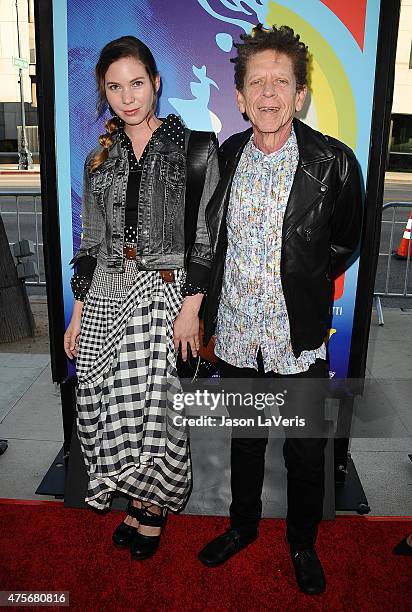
(378, 151)
(48, 173)
(374, 184)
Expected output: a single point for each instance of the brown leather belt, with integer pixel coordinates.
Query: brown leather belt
(167, 275)
(130, 252)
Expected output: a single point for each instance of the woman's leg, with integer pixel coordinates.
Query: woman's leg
(151, 511)
(131, 520)
(147, 538)
(124, 533)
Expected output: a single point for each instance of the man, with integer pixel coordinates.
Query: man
(285, 220)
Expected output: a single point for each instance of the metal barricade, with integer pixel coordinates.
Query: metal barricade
(14, 204)
(405, 284)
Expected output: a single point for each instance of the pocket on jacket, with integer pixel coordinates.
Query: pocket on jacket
(172, 174)
(314, 232)
(99, 181)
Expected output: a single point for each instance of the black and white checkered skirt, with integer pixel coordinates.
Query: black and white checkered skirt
(127, 375)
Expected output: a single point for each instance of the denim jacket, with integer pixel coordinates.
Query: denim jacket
(160, 222)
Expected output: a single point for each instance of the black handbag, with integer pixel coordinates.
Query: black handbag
(204, 366)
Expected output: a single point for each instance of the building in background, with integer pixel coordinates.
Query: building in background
(10, 107)
(400, 157)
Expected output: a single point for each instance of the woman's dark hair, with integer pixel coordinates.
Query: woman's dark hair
(283, 40)
(126, 46)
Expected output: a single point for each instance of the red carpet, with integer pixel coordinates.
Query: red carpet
(45, 546)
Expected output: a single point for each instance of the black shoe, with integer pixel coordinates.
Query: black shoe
(224, 546)
(309, 573)
(143, 546)
(124, 534)
(403, 548)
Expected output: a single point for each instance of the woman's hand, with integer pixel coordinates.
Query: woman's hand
(186, 325)
(71, 337)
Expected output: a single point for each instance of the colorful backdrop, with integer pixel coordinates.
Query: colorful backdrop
(192, 41)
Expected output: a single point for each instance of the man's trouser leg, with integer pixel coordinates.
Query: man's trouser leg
(305, 459)
(247, 462)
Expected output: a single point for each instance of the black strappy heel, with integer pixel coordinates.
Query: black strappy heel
(124, 534)
(142, 546)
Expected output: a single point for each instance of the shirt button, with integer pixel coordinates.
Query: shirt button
(143, 261)
(323, 188)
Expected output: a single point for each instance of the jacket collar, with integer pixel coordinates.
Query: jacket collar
(161, 134)
(313, 146)
(116, 149)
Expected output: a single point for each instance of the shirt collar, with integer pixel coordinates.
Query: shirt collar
(172, 127)
(258, 155)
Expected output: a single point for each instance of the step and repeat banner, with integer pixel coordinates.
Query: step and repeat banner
(192, 42)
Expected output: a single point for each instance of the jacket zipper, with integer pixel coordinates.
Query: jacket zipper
(295, 225)
(307, 233)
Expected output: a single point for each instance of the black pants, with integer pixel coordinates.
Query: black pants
(304, 461)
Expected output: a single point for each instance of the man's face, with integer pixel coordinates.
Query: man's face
(269, 96)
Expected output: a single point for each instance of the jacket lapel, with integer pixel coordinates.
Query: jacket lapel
(215, 211)
(307, 188)
(232, 160)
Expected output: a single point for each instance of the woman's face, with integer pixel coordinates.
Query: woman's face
(129, 90)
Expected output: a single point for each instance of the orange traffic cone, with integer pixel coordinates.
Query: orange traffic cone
(405, 244)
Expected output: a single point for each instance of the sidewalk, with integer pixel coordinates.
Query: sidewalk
(399, 177)
(30, 419)
(14, 169)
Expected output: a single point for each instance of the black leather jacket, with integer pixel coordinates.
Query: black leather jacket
(320, 233)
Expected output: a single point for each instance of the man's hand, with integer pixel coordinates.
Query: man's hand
(186, 325)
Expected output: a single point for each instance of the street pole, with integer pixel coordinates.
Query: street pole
(25, 158)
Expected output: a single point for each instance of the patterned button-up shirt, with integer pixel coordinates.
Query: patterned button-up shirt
(252, 312)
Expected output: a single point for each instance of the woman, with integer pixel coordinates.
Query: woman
(135, 299)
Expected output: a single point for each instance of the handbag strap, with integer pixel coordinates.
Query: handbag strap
(196, 165)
